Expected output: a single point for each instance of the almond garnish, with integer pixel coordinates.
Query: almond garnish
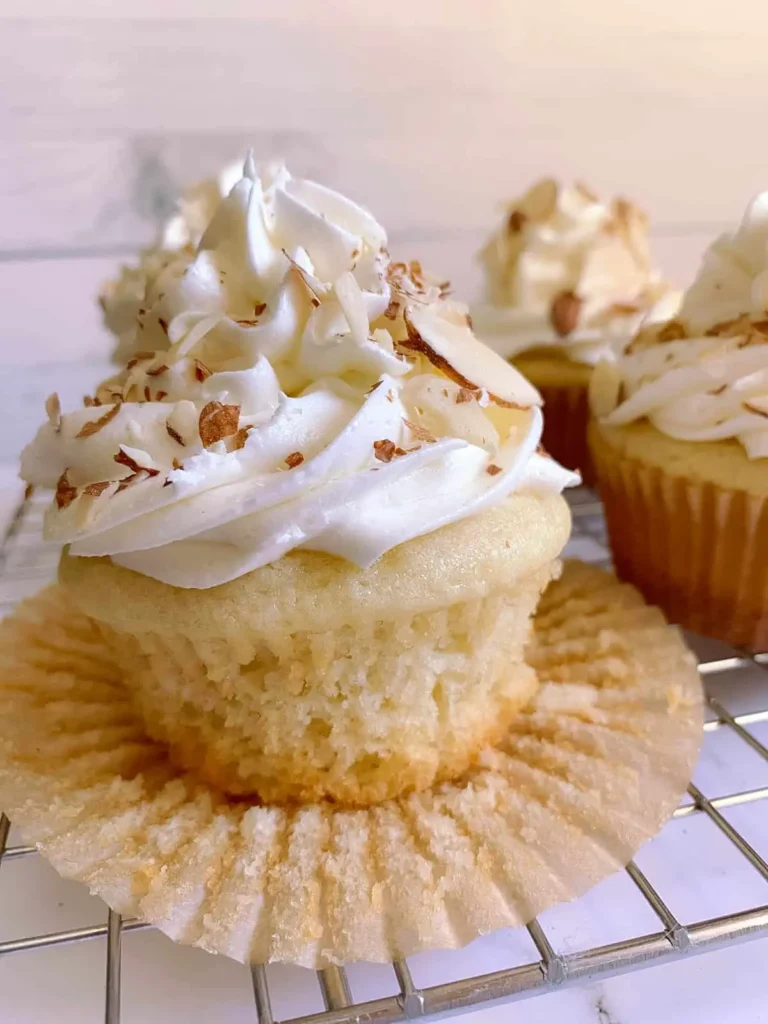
(384, 450)
(163, 324)
(94, 490)
(218, 421)
(493, 470)
(93, 426)
(452, 348)
(124, 459)
(672, 331)
(516, 222)
(393, 309)
(239, 439)
(157, 370)
(729, 328)
(175, 435)
(53, 411)
(259, 308)
(128, 480)
(202, 373)
(147, 393)
(373, 387)
(420, 433)
(465, 395)
(564, 313)
(65, 492)
(294, 459)
(540, 201)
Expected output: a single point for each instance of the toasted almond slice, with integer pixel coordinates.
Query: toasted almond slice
(564, 313)
(454, 349)
(540, 201)
(53, 411)
(604, 389)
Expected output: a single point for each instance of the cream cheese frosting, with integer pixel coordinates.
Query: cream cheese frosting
(288, 386)
(703, 376)
(568, 273)
(178, 237)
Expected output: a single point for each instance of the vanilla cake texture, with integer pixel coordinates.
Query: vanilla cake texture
(311, 678)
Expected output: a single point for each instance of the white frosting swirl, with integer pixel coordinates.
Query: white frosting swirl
(122, 297)
(568, 273)
(704, 375)
(290, 387)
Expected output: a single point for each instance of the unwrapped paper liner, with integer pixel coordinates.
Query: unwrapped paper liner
(700, 550)
(587, 775)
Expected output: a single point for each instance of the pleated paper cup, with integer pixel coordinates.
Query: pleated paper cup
(581, 779)
(696, 548)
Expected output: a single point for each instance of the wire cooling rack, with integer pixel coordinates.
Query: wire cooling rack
(26, 564)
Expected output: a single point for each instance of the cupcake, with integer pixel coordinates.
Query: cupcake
(121, 298)
(310, 516)
(568, 281)
(681, 446)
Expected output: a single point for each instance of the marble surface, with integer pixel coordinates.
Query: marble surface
(103, 119)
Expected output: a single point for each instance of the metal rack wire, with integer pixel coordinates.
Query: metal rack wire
(26, 564)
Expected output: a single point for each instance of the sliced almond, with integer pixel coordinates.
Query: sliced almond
(564, 313)
(540, 201)
(674, 330)
(53, 411)
(516, 221)
(65, 492)
(420, 433)
(94, 426)
(218, 421)
(136, 460)
(453, 348)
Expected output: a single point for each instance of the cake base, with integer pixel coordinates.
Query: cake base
(586, 775)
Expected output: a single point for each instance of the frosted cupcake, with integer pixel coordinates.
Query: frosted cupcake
(310, 514)
(681, 447)
(568, 281)
(122, 298)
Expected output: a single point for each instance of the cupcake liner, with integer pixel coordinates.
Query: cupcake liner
(692, 547)
(566, 417)
(587, 774)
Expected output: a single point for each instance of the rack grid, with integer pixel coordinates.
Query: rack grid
(26, 564)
